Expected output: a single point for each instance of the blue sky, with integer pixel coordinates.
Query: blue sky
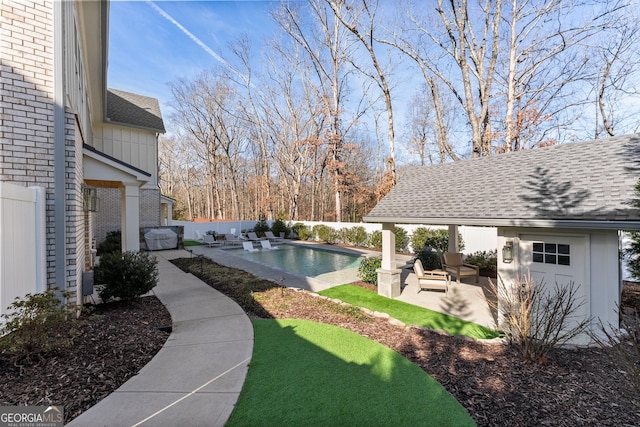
(147, 50)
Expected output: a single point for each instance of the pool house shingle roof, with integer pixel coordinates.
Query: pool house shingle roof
(574, 185)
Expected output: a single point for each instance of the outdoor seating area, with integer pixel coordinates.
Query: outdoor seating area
(248, 246)
(453, 264)
(472, 302)
(431, 279)
(211, 241)
(272, 237)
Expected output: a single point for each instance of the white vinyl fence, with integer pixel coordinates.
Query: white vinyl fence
(22, 244)
(475, 238)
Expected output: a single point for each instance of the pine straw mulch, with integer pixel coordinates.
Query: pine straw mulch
(113, 343)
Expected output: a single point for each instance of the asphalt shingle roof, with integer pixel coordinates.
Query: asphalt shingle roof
(584, 184)
(134, 110)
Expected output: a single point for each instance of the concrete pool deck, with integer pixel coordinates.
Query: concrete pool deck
(465, 300)
(233, 258)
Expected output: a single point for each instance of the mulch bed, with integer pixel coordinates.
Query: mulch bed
(114, 342)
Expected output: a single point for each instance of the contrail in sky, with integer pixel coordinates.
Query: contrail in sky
(197, 40)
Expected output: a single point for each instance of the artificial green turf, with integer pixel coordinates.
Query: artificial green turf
(191, 243)
(408, 313)
(304, 373)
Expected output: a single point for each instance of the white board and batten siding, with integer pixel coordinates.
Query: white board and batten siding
(22, 245)
(588, 258)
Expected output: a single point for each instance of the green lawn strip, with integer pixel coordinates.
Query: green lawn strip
(191, 243)
(408, 313)
(304, 373)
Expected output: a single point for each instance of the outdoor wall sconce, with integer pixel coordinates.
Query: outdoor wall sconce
(507, 252)
(90, 199)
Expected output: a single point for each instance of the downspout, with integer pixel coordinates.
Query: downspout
(59, 148)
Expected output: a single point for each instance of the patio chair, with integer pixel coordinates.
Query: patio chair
(232, 240)
(431, 279)
(211, 241)
(248, 246)
(251, 235)
(452, 263)
(267, 245)
(199, 237)
(272, 237)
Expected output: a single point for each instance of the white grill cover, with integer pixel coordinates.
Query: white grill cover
(158, 239)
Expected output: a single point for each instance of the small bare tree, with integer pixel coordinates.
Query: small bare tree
(537, 319)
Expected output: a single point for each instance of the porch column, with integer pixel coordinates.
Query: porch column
(453, 238)
(169, 213)
(388, 274)
(130, 217)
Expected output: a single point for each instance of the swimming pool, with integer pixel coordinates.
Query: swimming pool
(311, 262)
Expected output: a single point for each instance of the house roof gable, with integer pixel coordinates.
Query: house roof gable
(579, 184)
(131, 109)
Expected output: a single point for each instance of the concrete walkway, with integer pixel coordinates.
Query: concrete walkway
(197, 376)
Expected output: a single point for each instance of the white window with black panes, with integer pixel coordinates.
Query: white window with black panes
(551, 253)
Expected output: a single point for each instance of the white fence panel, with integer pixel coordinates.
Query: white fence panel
(475, 238)
(22, 245)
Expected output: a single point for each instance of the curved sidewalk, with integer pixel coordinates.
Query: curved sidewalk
(197, 376)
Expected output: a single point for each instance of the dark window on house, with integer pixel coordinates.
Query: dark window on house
(551, 253)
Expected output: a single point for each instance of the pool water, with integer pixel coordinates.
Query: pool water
(309, 262)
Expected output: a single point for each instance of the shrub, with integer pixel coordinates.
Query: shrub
(278, 227)
(127, 275)
(367, 270)
(261, 226)
(537, 319)
(402, 239)
(325, 233)
(375, 239)
(37, 324)
(436, 238)
(430, 258)
(486, 260)
(419, 239)
(112, 243)
(356, 236)
(633, 252)
(303, 231)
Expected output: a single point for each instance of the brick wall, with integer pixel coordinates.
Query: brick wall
(108, 217)
(26, 76)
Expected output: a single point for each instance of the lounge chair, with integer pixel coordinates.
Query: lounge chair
(251, 235)
(232, 240)
(211, 241)
(267, 245)
(452, 263)
(248, 246)
(272, 237)
(199, 237)
(431, 279)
